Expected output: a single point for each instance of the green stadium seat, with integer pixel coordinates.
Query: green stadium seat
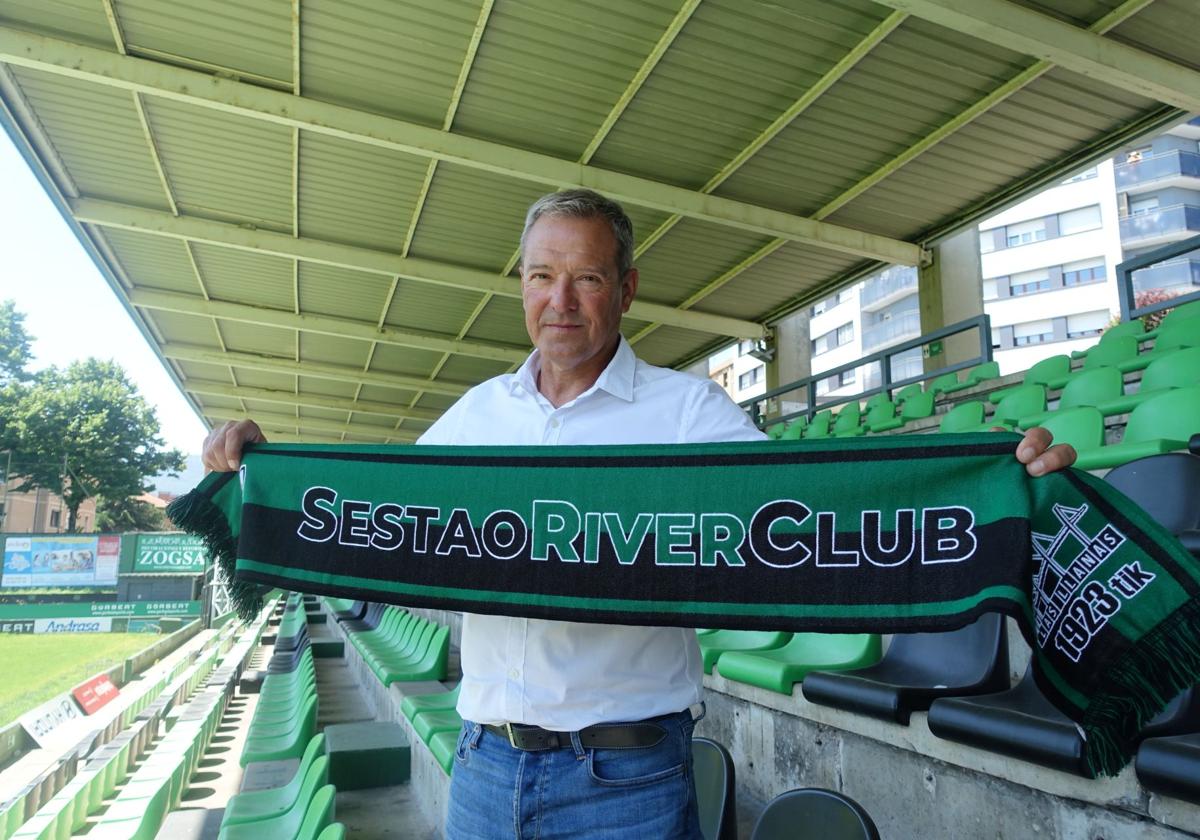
(882, 417)
(1088, 387)
(442, 745)
(268, 804)
(1020, 402)
(426, 724)
(1183, 312)
(1135, 328)
(716, 789)
(917, 407)
(283, 740)
(943, 382)
(1107, 353)
(1082, 427)
(848, 422)
(437, 702)
(333, 831)
(775, 431)
(908, 392)
(818, 426)
(976, 375)
(1052, 369)
(1174, 336)
(876, 399)
(795, 429)
(713, 645)
(780, 669)
(1174, 369)
(964, 417)
(1160, 424)
(288, 822)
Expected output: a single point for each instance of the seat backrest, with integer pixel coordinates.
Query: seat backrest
(818, 426)
(946, 380)
(875, 400)
(1049, 369)
(965, 655)
(1020, 402)
(1126, 328)
(987, 370)
(1174, 415)
(908, 392)
(917, 407)
(1182, 313)
(962, 417)
(713, 771)
(1091, 387)
(319, 814)
(1178, 334)
(1176, 369)
(1166, 486)
(1082, 427)
(795, 429)
(814, 812)
(881, 412)
(847, 418)
(1110, 352)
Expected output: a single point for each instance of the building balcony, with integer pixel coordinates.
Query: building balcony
(1173, 169)
(1157, 227)
(892, 331)
(1171, 274)
(1191, 129)
(888, 287)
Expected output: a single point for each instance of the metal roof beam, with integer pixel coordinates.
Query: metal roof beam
(127, 217)
(220, 389)
(289, 424)
(52, 55)
(322, 324)
(338, 373)
(1026, 31)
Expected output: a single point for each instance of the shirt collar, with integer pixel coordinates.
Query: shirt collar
(616, 378)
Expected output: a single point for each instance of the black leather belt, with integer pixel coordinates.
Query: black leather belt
(605, 736)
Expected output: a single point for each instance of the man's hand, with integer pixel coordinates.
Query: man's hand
(223, 446)
(1039, 457)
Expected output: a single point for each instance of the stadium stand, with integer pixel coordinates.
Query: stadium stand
(780, 669)
(823, 813)
(716, 789)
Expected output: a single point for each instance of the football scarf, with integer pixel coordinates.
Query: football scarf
(882, 535)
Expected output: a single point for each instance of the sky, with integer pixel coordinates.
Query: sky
(70, 310)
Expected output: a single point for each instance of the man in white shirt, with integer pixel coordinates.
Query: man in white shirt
(581, 730)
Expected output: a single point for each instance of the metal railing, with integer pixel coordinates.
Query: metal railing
(904, 324)
(1129, 307)
(1176, 162)
(812, 403)
(1178, 218)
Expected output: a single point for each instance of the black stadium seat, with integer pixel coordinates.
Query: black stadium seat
(1168, 488)
(369, 621)
(816, 813)
(1171, 766)
(917, 669)
(716, 787)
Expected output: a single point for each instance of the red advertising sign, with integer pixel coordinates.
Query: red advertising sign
(94, 693)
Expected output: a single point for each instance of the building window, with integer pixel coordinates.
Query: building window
(751, 377)
(1084, 324)
(834, 338)
(989, 289)
(1078, 221)
(1143, 206)
(55, 518)
(1033, 332)
(1086, 174)
(832, 383)
(1023, 233)
(1084, 271)
(1029, 282)
(745, 346)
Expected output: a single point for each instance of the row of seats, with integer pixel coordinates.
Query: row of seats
(961, 677)
(404, 647)
(436, 723)
(285, 718)
(302, 808)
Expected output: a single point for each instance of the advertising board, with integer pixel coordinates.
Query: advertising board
(72, 625)
(25, 626)
(169, 553)
(61, 561)
(99, 609)
(41, 722)
(94, 693)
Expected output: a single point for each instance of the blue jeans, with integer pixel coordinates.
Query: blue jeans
(573, 793)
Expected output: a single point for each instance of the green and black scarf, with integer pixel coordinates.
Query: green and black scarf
(896, 534)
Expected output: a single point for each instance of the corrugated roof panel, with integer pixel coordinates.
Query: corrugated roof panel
(224, 166)
(691, 255)
(157, 262)
(791, 271)
(407, 361)
(666, 345)
(378, 393)
(357, 194)
(255, 338)
(248, 378)
(437, 402)
(536, 86)
(328, 415)
(711, 96)
(334, 350)
(430, 307)
(1166, 27)
(397, 59)
(200, 370)
(468, 369)
(209, 403)
(97, 135)
(503, 320)
(473, 218)
(245, 276)
(320, 386)
(246, 38)
(341, 292)
(75, 20)
(176, 326)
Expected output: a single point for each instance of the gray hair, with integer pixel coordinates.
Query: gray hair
(585, 204)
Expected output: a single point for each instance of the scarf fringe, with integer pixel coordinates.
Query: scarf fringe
(201, 517)
(1138, 687)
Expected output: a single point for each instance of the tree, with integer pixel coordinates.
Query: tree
(128, 513)
(15, 345)
(85, 431)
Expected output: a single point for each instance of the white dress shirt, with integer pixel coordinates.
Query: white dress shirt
(566, 675)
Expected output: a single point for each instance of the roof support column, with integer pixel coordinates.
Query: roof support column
(950, 287)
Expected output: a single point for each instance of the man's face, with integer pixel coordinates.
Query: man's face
(572, 292)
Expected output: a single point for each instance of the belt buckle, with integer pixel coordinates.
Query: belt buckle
(508, 729)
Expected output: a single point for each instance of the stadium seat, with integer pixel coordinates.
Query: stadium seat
(848, 422)
(441, 745)
(1022, 401)
(908, 392)
(1135, 328)
(714, 645)
(1171, 766)
(333, 831)
(964, 417)
(716, 789)
(1106, 353)
(274, 740)
(943, 382)
(1082, 427)
(917, 407)
(815, 813)
(1174, 369)
(818, 426)
(440, 701)
(876, 399)
(1088, 387)
(1168, 488)
(274, 802)
(1184, 312)
(1047, 370)
(882, 417)
(1161, 424)
(775, 431)
(979, 373)
(780, 669)
(795, 429)
(369, 621)
(1019, 722)
(288, 822)
(428, 723)
(1175, 336)
(917, 669)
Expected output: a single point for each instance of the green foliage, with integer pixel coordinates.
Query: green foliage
(15, 344)
(127, 513)
(86, 423)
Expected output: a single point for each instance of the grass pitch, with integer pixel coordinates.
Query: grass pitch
(36, 668)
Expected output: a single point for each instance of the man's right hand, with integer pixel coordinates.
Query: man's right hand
(223, 446)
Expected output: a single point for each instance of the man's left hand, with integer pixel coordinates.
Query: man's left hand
(1039, 457)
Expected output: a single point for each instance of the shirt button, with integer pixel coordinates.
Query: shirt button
(513, 673)
(553, 422)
